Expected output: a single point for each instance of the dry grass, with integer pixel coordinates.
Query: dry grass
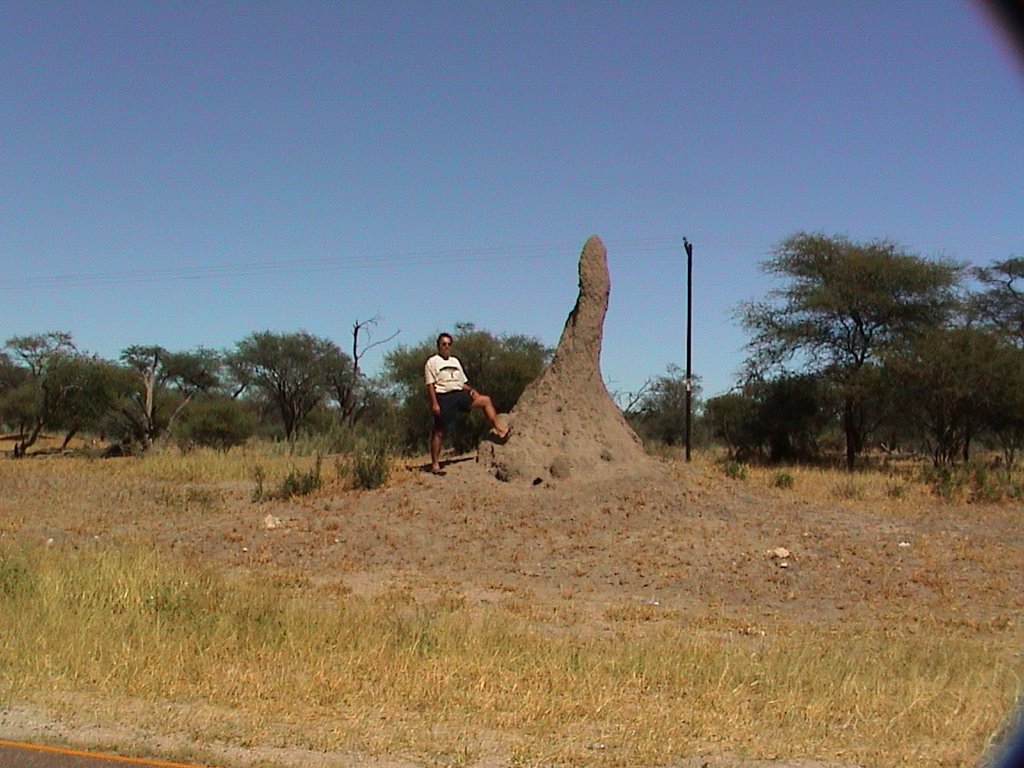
(899, 485)
(882, 491)
(128, 625)
(126, 632)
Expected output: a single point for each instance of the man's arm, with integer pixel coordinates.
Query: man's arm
(429, 380)
(435, 407)
(465, 384)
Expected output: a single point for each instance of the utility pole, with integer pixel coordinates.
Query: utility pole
(689, 337)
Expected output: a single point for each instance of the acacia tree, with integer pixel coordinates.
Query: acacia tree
(12, 379)
(1000, 305)
(39, 397)
(166, 382)
(35, 352)
(841, 306)
(140, 410)
(59, 388)
(999, 309)
(190, 374)
(950, 381)
(1004, 412)
(292, 370)
(90, 391)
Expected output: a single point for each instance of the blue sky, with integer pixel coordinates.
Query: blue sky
(187, 173)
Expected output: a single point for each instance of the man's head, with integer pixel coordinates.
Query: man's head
(444, 345)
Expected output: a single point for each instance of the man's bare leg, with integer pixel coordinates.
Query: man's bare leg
(435, 450)
(484, 402)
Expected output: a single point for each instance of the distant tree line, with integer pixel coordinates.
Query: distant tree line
(856, 345)
(281, 385)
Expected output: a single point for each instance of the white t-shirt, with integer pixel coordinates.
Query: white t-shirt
(445, 375)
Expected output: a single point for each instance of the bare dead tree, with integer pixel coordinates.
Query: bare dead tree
(628, 401)
(346, 387)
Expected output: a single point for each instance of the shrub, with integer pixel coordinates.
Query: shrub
(848, 489)
(299, 483)
(984, 488)
(730, 419)
(782, 480)
(17, 578)
(735, 470)
(944, 481)
(896, 490)
(220, 424)
(368, 465)
(258, 475)
(296, 483)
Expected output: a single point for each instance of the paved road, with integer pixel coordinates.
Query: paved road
(15, 754)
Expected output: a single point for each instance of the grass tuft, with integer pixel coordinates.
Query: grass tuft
(848, 489)
(296, 483)
(367, 465)
(783, 480)
(735, 470)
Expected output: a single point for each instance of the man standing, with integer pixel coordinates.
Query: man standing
(450, 394)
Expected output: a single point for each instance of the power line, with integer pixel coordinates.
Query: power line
(388, 261)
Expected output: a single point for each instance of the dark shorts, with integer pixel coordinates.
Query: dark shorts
(452, 404)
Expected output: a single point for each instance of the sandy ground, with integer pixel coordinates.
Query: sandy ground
(674, 535)
(678, 535)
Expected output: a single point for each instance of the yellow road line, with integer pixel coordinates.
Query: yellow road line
(97, 755)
